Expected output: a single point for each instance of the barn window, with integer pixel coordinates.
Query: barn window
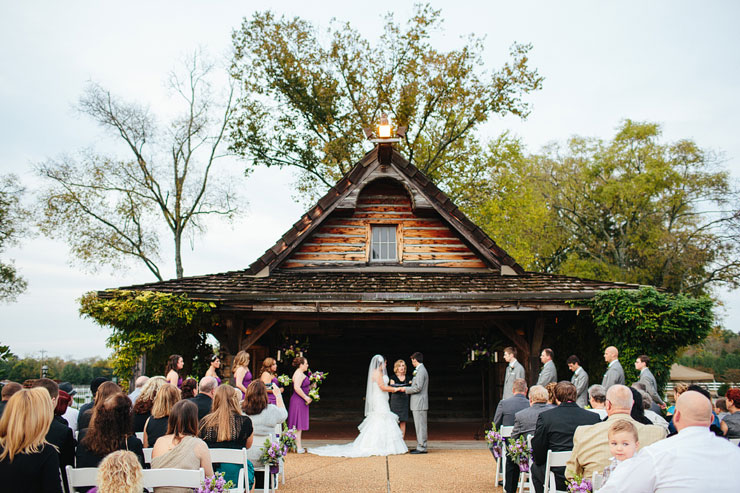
(383, 244)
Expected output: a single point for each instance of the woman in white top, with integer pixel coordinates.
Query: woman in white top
(264, 417)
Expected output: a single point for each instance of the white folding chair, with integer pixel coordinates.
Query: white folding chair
(232, 456)
(525, 478)
(140, 436)
(554, 459)
(734, 441)
(148, 455)
(500, 475)
(259, 442)
(81, 477)
(174, 478)
(278, 431)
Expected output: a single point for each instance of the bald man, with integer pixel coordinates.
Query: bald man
(591, 443)
(694, 460)
(614, 372)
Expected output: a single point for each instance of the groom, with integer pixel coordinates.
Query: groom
(419, 390)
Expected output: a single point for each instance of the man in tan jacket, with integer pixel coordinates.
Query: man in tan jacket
(591, 443)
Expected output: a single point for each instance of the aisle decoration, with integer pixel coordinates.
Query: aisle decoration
(288, 438)
(580, 485)
(272, 452)
(481, 350)
(519, 452)
(215, 484)
(495, 441)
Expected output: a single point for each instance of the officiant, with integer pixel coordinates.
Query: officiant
(400, 400)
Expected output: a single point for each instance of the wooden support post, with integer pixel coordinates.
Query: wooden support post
(258, 331)
(537, 334)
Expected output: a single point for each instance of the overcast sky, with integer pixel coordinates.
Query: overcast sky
(675, 63)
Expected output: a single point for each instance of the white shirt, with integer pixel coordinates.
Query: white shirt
(694, 460)
(71, 416)
(601, 412)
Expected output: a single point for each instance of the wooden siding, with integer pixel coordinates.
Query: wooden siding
(344, 241)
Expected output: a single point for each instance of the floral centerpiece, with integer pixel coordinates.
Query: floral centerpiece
(284, 380)
(480, 350)
(272, 452)
(288, 437)
(495, 441)
(519, 452)
(580, 485)
(291, 348)
(215, 484)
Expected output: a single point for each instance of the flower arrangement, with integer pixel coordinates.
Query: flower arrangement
(291, 348)
(272, 452)
(215, 484)
(495, 441)
(580, 485)
(480, 350)
(288, 437)
(314, 394)
(284, 380)
(519, 452)
(316, 378)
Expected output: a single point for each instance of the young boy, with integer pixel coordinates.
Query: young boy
(623, 443)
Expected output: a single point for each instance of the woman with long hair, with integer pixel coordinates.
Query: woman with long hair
(226, 427)
(212, 370)
(145, 402)
(242, 375)
(264, 417)
(105, 390)
(120, 472)
(28, 462)
(299, 401)
(156, 425)
(111, 429)
(172, 370)
(268, 376)
(181, 448)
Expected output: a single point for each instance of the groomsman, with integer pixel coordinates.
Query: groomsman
(579, 379)
(648, 379)
(548, 373)
(514, 370)
(614, 373)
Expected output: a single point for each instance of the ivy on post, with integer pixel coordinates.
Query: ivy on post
(148, 322)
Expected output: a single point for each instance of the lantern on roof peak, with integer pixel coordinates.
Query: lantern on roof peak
(385, 133)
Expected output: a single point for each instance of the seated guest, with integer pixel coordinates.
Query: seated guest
(597, 400)
(623, 443)
(507, 408)
(110, 430)
(71, 414)
(227, 427)
(119, 472)
(9, 389)
(156, 426)
(720, 408)
(693, 460)
(715, 427)
(638, 412)
(28, 463)
(105, 390)
(204, 399)
(525, 422)
(138, 387)
(180, 448)
(591, 443)
(643, 391)
(554, 431)
(83, 417)
(60, 435)
(731, 422)
(264, 417)
(551, 393)
(678, 389)
(189, 388)
(145, 402)
(652, 416)
(63, 400)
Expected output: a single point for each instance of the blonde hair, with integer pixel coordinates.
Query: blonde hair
(25, 422)
(120, 472)
(397, 364)
(679, 389)
(621, 425)
(167, 396)
(225, 407)
(149, 391)
(241, 359)
(267, 365)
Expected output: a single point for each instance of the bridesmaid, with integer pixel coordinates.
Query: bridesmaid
(242, 375)
(299, 401)
(215, 365)
(400, 400)
(174, 365)
(268, 375)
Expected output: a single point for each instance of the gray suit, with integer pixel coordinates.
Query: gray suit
(525, 421)
(419, 404)
(511, 375)
(580, 380)
(548, 374)
(614, 375)
(647, 378)
(507, 408)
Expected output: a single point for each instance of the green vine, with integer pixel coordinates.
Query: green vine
(650, 322)
(148, 322)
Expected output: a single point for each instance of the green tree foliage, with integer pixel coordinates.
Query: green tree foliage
(76, 372)
(718, 354)
(11, 230)
(110, 209)
(646, 321)
(631, 209)
(305, 102)
(151, 323)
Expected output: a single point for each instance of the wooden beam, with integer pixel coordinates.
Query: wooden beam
(258, 331)
(537, 333)
(520, 342)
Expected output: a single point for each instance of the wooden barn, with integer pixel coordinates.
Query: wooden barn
(386, 263)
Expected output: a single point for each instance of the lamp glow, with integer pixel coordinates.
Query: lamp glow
(384, 128)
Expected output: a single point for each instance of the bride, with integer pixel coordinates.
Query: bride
(379, 431)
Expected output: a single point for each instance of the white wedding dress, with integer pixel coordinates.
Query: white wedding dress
(379, 431)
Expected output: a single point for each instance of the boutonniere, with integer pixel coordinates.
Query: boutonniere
(415, 370)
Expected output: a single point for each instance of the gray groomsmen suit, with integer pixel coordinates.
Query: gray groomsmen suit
(647, 377)
(548, 374)
(614, 375)
(512, 374)
(580, 380)
(419, 404)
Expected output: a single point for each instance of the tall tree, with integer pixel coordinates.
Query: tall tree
(110, 209)
(304, 104)
(12, 229)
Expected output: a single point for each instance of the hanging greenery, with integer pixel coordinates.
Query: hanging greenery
(650, 322)
(151, 323)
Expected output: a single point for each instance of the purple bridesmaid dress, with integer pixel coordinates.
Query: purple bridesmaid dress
(247, 379)
(275, 387)
(298, 411)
